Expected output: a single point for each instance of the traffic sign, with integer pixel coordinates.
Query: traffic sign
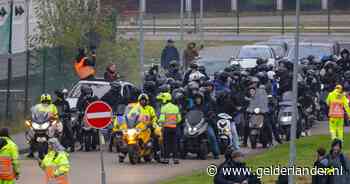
(98, 115)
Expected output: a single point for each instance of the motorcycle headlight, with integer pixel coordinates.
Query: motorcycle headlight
(28, 123)
(195, 129)
(190, 129)
(286, 118)
(45, 126)
(257, 110)
(132, 132)
(35, 126)
(227, 130)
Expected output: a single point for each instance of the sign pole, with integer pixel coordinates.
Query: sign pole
(292, 146)
(98, 115)
(103, 172)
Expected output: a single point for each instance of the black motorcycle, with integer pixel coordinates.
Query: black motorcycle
(195, 138)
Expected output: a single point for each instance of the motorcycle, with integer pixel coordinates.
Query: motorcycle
(195, 138)
(40, 129)
(256, 123)
(138, 143)
(285, 116)
(224, 131)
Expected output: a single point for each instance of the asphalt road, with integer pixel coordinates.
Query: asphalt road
(85, 167)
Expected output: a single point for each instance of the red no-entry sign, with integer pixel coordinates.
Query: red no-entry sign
(98, 115)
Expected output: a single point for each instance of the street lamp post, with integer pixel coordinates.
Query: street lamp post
(142, 10)
(182, 31)
(201, 23)
(292, 145)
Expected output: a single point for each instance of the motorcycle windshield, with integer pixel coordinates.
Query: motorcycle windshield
(260, 100)
(40, 117)
(194, 117)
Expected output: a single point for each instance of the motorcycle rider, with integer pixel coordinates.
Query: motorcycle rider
(337, 102)
(114, 97)
(56, 163)
(64, 114)
(153, 75)
(9, 162)
(208, 111)
(174, 71)
(234, 160)
(89, 137)
(344, 61)
(47, 106)
(170, 116)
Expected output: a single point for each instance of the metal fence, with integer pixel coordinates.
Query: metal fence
(46, 73)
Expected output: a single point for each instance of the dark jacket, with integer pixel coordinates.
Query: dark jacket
(320, 179)
(344, 62)
(222, 176)
(169, 54)
(63, 108)
(113, 98)
(84, 101)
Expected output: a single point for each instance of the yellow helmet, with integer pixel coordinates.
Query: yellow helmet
(164, 97)
(45, 98)
(339, 87)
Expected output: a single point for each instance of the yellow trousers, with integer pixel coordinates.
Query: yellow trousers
(336, 128)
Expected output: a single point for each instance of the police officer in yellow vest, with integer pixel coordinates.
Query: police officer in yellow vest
(46, 105)
(169, 117)
(9, 165)
(337, 102)
(56, 163)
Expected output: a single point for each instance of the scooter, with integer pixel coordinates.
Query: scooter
(195, 138)
(224, 131)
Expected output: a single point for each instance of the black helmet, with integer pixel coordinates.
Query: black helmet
(223, 76)
(194, 66)
(165, 88)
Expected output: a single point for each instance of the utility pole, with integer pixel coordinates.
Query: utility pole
(9, 64)
(201, 31)
(142, 10)
(292, 148)
(182, 32)
(26, 91)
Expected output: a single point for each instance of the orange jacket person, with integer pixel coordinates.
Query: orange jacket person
(84, 67)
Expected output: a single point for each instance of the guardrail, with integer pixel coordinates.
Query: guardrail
(232, 28)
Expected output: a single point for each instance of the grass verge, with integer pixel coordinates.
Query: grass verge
(306, 152)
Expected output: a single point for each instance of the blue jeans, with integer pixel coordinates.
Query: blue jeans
(234, 136)
(213, 142)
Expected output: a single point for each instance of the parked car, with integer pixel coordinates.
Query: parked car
(279, 47)
(215, 58)
(100, 87)
(249, 54)
(319, 50)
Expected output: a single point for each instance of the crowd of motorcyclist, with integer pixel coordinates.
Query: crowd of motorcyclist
(168, 94)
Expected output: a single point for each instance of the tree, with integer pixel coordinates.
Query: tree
(73, 24)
